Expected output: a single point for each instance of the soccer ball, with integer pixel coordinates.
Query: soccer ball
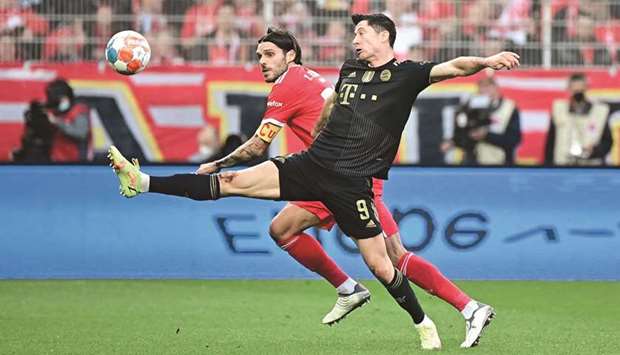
(128, 52)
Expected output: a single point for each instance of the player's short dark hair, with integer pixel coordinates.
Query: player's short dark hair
(284, 40)
(379, 22)
(577, 77)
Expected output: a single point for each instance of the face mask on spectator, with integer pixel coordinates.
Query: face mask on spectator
(64, 104)
(579, 96)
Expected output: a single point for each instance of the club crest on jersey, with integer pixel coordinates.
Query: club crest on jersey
(368, 75)
(385, 75)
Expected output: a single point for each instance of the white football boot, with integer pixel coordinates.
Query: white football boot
(482, 316)
(347, 304)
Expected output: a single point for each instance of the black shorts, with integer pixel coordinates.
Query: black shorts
(349, 198)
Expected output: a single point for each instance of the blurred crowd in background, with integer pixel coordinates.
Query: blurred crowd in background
(486, 128)
(545, 32)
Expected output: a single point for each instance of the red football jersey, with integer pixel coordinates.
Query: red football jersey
(296, 99)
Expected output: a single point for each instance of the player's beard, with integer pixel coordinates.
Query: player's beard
(277, 72)
(362, 55)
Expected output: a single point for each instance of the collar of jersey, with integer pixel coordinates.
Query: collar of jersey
(365, 64)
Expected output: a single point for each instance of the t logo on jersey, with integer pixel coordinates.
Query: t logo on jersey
(347, 92)
(267, 131)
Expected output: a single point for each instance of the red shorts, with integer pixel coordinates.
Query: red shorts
(327, 220)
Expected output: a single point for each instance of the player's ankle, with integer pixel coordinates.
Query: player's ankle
(145, 182)
(425, 322)
(347, 287)
(469, 309)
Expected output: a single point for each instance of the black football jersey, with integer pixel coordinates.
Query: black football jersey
(363, 133)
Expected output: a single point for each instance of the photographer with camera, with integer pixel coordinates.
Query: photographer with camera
(487, 127)
(579, 132)
(36, 141)
(57, 130)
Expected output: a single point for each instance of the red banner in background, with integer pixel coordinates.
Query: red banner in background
(160, 111)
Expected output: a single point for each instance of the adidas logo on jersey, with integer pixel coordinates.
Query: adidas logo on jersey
(352, 75)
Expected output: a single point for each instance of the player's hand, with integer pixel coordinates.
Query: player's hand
(503, 60)
(207, 168)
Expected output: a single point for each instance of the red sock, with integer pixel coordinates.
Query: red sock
(309, 253)
(428, 277)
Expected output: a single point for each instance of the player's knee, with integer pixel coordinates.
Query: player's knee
(279, 231)
(235, 183)
(382, 270)
(229, 186)
(275, 230)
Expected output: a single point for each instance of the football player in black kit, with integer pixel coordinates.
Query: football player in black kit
(375, 94)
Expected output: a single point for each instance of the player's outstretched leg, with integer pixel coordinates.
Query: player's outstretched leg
(260, 181)
(427, 276)
(133, 182)
(286, 229)
(376, 257)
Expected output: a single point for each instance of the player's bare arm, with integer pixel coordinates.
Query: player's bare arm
(324, 117)
(464, 66)
(252, 148)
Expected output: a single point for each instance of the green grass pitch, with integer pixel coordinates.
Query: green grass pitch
(283, 317)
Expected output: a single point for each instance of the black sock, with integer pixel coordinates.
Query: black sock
(196, 187)
(402, 292)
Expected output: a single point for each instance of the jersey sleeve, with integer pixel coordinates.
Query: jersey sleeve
(420, 75)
